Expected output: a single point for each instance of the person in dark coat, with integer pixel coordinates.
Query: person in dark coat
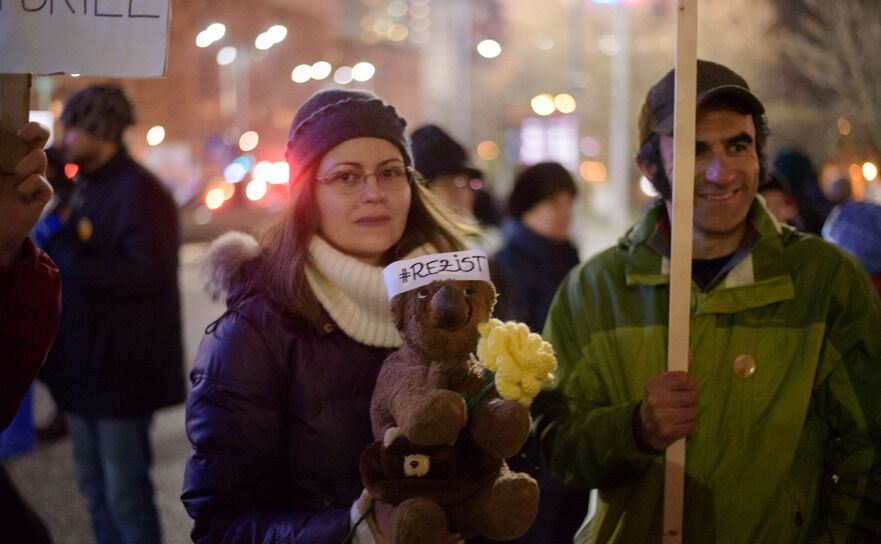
(118, 355)
(278, 413)
(536, 252)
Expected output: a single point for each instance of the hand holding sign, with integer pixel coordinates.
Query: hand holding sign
(24, 193)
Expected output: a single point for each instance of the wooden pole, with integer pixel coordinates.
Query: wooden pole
(680, 248)
(15, 90)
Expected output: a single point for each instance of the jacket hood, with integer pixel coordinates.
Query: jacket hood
(224, 260)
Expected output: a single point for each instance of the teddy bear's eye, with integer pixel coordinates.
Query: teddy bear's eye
(422, 293)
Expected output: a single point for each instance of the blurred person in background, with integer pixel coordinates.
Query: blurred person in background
(840, 191)
(30, 310)
(62, 188)
(118, 355)
(279, 410)
(53, 217)
(536, 255)
(537, 252)
(797, 174)
(486, 209)
(778, 200)
(779, 407)
(856, 228)
(443, 164)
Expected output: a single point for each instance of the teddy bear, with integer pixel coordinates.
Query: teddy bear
(437, 465)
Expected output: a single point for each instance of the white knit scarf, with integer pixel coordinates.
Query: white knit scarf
(353, 293)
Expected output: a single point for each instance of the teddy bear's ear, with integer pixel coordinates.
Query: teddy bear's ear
(397, 307)
(491, 295)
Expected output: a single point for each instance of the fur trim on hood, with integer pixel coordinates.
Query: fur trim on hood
(225, 258)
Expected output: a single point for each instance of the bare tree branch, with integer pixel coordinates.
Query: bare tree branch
(836, 49)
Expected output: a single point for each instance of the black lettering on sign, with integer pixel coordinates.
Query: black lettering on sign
(100, 14)
(37, 5)
(31, 6)
(24, 6)
(447, 266)
(135, 15)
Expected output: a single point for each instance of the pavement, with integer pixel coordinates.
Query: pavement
(45, 478)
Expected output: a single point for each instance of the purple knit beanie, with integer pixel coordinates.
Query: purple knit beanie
(101, 110)
(332, 116)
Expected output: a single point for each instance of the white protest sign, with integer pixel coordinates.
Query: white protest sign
(114, 38)
(410, 274)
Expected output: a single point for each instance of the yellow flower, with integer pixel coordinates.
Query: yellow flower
(520, 359)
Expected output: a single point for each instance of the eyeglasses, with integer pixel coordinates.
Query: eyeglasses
(348, 182)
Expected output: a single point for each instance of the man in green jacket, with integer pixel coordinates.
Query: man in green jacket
(782, 405)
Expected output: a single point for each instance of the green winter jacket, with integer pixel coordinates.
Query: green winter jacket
(789, 454)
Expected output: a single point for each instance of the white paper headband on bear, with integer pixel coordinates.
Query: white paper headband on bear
(410, 274)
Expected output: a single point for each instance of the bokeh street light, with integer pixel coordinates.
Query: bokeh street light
(214, 198)
(248, 140)
(592, 171)
(542, 104)
(343, 75)
(321, 69)
(363, 71)
(211, 34)
(489, 49)
(155, 135)
(488, 150)
(227, 55)
(564, 102)
(275, 34)
(870, 171)
(301, 73)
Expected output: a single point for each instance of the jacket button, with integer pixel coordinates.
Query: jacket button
(326, 504)
(328, 328)
(744, 366)
(84, 229)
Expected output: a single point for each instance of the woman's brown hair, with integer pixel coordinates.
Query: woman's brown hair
(285, 242)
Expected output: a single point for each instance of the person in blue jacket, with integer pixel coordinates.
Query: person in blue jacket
(278, 413)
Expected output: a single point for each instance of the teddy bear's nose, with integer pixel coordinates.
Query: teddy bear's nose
(450, 308)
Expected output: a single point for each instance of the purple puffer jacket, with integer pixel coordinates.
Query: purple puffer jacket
(278, 415)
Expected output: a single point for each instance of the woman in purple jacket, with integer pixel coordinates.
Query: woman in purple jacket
(279, 408)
